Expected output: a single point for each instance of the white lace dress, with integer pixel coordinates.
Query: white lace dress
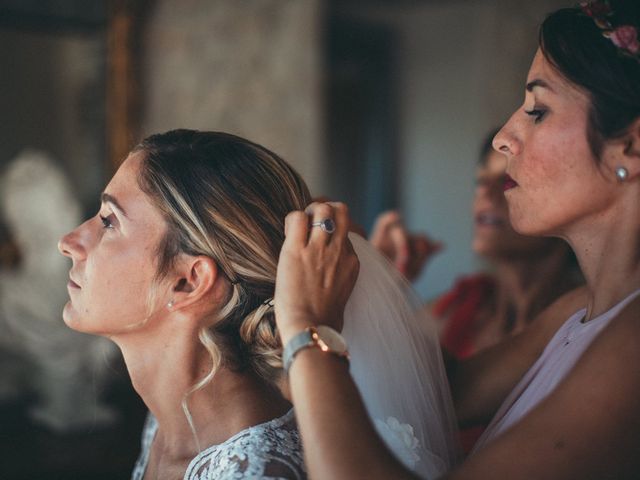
(271, 450)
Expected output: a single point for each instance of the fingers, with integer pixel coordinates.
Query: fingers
(342, 220)
(296, 229)
(319, 213)
(400, 240)
(385, 222)
(391, 238)
(422, 248)
(316, 270)
(299, 228)
(407, 251)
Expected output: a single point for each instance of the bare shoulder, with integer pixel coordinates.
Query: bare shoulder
(539, 332)
(482, 382)
(588, 427)
(629, 317)
(617, 346)
(562, 308)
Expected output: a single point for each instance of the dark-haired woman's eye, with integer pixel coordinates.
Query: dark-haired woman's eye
(537, 114)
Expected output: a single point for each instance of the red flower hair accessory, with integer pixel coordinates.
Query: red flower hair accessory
(624, 37)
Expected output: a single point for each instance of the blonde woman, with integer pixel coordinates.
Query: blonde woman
(178, 269)
(178, 274)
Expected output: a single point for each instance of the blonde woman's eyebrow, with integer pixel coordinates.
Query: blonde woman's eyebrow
(106, 198)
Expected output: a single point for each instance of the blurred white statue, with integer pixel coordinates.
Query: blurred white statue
(68, 371)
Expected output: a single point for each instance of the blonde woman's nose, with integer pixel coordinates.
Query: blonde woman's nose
(71, 246)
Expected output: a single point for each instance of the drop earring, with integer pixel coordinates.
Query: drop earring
(622, 174)
(170, 304)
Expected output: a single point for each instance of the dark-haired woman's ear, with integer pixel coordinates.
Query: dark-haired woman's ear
(621, 156)
(197, 285)
(632, 146)
(629, 164)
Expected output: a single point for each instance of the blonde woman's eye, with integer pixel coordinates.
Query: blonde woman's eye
(106, 222)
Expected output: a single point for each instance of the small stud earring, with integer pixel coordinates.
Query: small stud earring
(170, 305)
(622, 174)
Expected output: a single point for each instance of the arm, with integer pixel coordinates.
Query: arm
(481, 383)
(589, 427)
(316, 275)
(334, 422)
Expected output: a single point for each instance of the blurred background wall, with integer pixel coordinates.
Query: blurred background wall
(380, 103)
(252, 68)
(460, 69)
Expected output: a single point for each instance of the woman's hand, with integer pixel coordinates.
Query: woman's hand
(317, 270)
(409, 252)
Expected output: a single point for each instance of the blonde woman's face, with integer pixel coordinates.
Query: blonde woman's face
(113, 257)
(558, 183)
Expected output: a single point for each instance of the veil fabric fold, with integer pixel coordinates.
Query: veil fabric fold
(396, 362)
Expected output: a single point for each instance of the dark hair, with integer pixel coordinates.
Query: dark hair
(572, 42)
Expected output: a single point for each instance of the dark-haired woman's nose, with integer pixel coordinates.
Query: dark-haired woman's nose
(506, 141)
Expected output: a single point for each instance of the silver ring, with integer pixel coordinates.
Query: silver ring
(327, 225)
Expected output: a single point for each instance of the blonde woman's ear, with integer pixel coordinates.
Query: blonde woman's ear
(197, 280)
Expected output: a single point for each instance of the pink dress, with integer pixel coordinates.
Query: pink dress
(558, 358)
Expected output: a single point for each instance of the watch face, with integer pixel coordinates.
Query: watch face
(332, 339)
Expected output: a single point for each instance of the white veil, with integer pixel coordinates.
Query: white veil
(397, 365)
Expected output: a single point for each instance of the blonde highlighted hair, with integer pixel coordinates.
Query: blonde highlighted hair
(225, 197)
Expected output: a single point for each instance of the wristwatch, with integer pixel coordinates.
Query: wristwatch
(323, 337)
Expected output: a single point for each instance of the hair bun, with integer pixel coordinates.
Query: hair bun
(258, 332)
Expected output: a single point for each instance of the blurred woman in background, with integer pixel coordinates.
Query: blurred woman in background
(527, 273)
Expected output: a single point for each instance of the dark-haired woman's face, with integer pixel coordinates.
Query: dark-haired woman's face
(493, 236)
(558, 184)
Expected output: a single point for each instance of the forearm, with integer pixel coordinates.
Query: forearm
(339, 440)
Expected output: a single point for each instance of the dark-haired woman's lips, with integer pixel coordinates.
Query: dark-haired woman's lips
(509, 183)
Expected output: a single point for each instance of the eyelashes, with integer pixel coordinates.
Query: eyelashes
(106, 222)
(537, 114)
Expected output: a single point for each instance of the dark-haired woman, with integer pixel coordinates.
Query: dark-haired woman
(563, 395)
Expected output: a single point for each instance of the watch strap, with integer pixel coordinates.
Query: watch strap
(298, 342)
(309, 337)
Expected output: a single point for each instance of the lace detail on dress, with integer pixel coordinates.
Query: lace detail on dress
(271, 450)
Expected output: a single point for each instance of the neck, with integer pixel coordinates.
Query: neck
(526, 285)
(167, 363)
(609, 254)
